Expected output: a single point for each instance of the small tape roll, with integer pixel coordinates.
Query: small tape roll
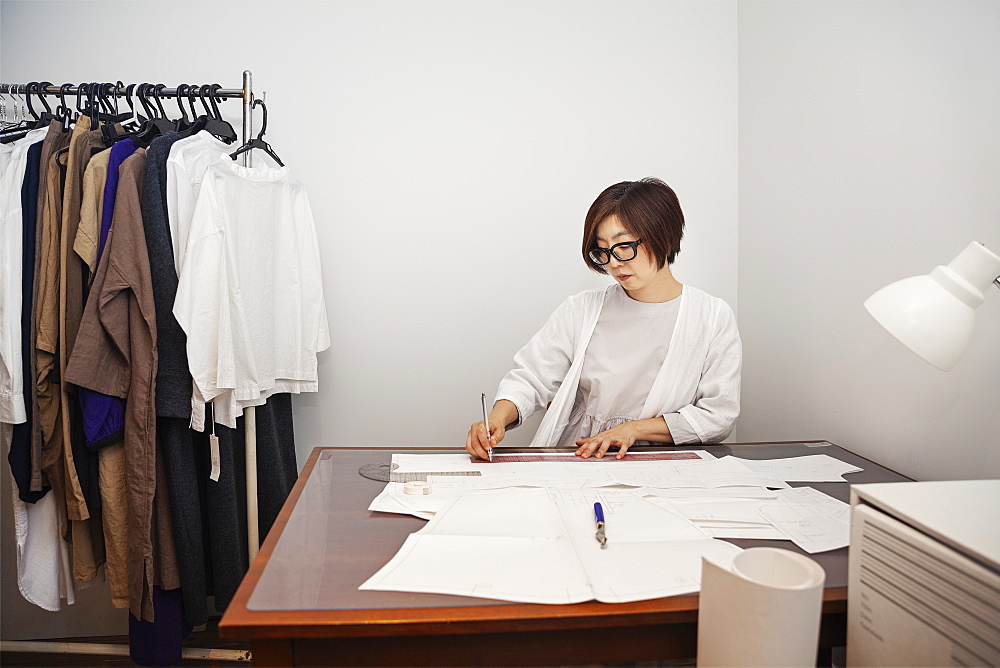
(417, 487)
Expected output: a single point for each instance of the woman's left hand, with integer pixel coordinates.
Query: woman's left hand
(624, 436)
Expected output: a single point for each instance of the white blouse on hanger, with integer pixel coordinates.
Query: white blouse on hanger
(250, 292)
(187, 165)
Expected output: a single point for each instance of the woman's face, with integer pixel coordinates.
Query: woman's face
(637, 275)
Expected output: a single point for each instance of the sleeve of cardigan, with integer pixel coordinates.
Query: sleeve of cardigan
(542, 364)
(716, 406)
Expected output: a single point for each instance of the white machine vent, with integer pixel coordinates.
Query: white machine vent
(944, 592)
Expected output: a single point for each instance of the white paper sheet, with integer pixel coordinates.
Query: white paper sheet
(735, 492)
(723, 498)
(814, 521)
(724, 472)
(752, 532)
(538, 546)
(810, 468)
(724, 518)
(743, 511)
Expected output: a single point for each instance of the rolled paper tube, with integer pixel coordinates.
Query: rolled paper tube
(762, 610)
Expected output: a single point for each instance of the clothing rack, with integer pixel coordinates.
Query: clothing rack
(21, 89)
(249, 413)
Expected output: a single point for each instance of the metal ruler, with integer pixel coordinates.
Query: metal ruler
(629, 457)
(387, 473)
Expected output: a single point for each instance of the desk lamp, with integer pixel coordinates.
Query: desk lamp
(934, 314)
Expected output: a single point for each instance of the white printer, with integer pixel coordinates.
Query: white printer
(924, 574)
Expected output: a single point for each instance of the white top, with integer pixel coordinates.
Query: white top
(627, 349)
(250, 291)
(699, 378)
(187, 165)
(13, 160)
(44, 569)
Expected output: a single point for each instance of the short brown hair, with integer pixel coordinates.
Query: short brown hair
(649, 209)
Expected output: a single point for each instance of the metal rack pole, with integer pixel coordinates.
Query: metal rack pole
(20, 89)
(250, 412)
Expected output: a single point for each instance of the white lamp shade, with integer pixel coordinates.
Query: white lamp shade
(934, 315)
(926, 318)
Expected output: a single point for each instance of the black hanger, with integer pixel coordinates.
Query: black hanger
(81, 108)
(161, 121)
(155, 120)
(140, 92)
(112, 116)
(198, 122)
(98, 107)
(183, 123)
(159, 101)
(63, 111)
(214, 123)
(102, 99)
(93, 109)
(47, 116)
(149, 128)
(120, 87)
(258, 141)
(111, 113)
(192, 96)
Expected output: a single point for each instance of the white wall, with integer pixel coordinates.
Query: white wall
(869, 151)
(461, 143)
(450, 150)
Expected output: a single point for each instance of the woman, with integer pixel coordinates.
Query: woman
(646, 359)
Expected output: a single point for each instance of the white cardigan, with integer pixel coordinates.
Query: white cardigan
(699, 379)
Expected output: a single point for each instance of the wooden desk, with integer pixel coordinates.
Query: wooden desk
(299, 603)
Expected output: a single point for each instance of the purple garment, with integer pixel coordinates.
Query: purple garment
(103, 418)
(119, 152)
(158, 643)
(103, 415)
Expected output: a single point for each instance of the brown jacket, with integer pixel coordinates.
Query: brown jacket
(55, 140)
(88, 234)
(56, 455)
(115, 354)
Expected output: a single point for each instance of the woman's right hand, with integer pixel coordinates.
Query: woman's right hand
(480, 440)
(481, 437)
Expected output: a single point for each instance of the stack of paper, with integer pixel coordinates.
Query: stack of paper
(539, 546)
(524, 531)
(812, 520)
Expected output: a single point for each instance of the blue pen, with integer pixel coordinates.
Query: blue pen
(601, 536)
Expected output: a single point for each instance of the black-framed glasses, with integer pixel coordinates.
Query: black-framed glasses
(623, 252)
